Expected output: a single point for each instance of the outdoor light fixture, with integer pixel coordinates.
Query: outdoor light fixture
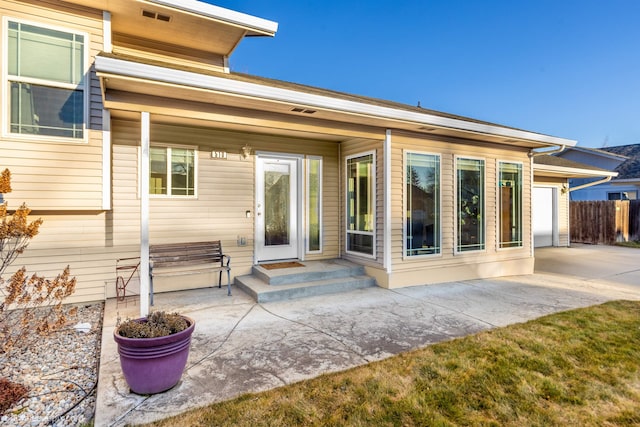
(246, 151)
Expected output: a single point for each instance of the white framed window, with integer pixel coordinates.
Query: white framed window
(172, 171)
(44, 80)
(470, 204)
(314, 204)
(622, 195)
(361, 204)
(422, 204)
(509, 205)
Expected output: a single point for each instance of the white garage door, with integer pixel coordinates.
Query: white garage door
(544, 207)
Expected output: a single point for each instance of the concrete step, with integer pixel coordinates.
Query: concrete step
(310, 272)
(261, 291)
(312, 278)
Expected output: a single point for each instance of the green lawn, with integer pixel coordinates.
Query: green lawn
(629, 244)
(577, 368)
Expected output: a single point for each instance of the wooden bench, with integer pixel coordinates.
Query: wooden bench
(203, 256)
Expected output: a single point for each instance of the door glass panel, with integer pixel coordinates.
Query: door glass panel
(276, 204)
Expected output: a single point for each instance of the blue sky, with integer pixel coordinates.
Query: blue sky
(568, 68)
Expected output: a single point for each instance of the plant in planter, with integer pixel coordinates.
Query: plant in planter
(154, 350)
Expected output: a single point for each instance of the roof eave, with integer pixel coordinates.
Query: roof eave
(572, 172)
(254, 24)
(115, 66)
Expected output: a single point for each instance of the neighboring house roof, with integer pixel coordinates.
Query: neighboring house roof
(288, 97)
(548, 165)
(630, 168)
(597, 152)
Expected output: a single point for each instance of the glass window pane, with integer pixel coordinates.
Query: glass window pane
(46, 110)
(314, 177)
(32, 47)
(158, 170)
(277, 198)
(182, 172)
(361, 204)
(470, 181)
(422, 204)
(362, 243)
(510, 194)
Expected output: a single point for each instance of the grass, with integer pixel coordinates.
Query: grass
(580, 367)
(629, 244)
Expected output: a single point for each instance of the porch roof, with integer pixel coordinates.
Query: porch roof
(553, 166)
(132, 83)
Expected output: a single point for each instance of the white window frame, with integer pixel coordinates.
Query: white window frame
(455, 205)
(85, 84)
(308, 159)
(195, 178)
(498, 204)
(375, 204)
(405, 198)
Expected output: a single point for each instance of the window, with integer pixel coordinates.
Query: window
(172, 171)
(422, 204)
(622, 195)
(314, 204)
(510, 202)
(470, 205)
(46, 81)
(361, 202)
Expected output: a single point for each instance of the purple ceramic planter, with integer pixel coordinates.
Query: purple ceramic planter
(154, 365)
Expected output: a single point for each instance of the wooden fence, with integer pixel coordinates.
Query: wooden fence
(604, 222)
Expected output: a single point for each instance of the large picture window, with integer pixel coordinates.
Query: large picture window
(422, 204)
(510, 199)
(470, 205)
(361, 202)
(172, 171)
(46, 81)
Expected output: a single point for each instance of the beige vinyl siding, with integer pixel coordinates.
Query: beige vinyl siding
(225, 189)
(168, 54)
(449, 264)
(46, 174)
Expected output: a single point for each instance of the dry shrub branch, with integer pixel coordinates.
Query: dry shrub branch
(30, 306)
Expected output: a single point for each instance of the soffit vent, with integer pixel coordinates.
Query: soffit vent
(303, 110)
(427, 128)
(154, 15)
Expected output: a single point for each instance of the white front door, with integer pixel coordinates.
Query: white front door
(277, 226)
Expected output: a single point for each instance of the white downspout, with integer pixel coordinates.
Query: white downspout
(145, 126)
(589, 184)
(540, 153)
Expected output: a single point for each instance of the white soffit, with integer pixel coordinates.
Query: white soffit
(259, 25)
(234, 87)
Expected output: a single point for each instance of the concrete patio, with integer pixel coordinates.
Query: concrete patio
(241, 346)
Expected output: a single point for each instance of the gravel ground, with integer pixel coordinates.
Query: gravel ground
(61, 373)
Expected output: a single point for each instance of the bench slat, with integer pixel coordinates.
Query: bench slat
(193, 253)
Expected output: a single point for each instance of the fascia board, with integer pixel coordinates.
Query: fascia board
(260, 25)
(234, 87)
(572, 171)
